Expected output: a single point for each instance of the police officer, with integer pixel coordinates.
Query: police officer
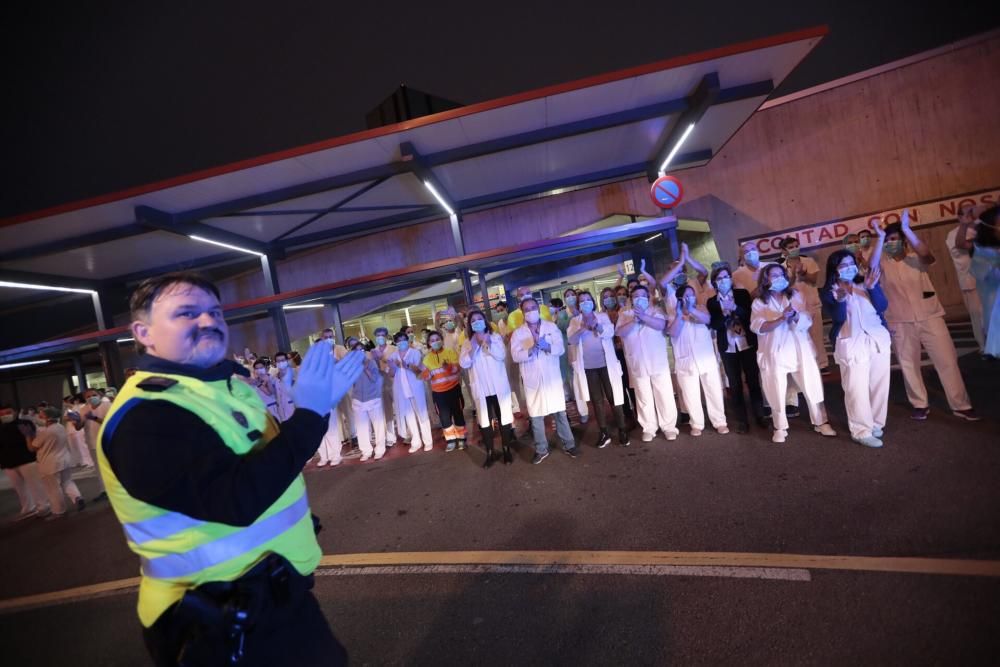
(209, 488)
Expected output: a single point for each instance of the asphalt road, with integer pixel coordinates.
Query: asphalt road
(931, 491)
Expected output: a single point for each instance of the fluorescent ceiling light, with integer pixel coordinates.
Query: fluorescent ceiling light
(454, 280)
(677, 147)
(652, 237)
(475, 273)
(300, 306)
(125, 340)
(25, 363)
(225, 245)
(5, 283)
(439, 198)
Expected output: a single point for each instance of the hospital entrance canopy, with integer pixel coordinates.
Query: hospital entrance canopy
(600, 129)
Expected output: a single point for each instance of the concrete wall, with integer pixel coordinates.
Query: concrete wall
(916, 133)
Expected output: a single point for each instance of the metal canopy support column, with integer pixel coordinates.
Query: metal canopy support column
(277, 313)
(485, 290)
(111, 359)
(338, 324)
(81, 377)
(470, 296)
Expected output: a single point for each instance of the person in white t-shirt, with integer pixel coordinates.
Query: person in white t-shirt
(803, 274)
(962, 260)
(916, 320)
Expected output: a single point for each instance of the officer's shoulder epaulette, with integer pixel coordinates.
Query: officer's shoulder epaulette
(156, 383)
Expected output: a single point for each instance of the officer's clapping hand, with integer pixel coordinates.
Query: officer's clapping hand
(322, 383)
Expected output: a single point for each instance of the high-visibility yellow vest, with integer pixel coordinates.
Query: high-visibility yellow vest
(178, 552)
(442, 369)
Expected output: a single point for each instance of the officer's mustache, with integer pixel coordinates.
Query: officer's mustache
(204, 333)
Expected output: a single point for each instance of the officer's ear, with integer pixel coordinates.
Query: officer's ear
(140, 331)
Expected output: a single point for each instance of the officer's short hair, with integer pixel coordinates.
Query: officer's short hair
(141, 301)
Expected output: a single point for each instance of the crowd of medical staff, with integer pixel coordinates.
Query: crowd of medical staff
(653, 353)
(689, 348)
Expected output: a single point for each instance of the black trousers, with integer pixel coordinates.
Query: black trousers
(599, 384)
(288, 632)
(737, 365)
(449, 406)
(506, 431)
(630, 404)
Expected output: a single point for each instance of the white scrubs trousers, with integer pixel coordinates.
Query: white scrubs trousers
(28, 486)
(691, 386)
(932, 334)
(369, 416)
(866, 387)
(774, 382)
(654, 402)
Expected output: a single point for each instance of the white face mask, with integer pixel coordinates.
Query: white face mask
(6, 419)
(282, 365)
(532, 317)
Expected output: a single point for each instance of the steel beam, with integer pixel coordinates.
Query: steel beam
(168, 222)
(354, 195)
(700, 99)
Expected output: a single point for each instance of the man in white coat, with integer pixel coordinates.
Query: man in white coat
(536, 346)
(916, 319)
(966, 281)
(641, 329)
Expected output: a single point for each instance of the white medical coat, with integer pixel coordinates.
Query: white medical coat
(540, 374)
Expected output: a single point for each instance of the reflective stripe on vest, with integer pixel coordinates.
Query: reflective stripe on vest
(159, 527)
(172, 566)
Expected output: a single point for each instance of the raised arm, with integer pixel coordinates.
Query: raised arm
(876, 256)
(918, 246)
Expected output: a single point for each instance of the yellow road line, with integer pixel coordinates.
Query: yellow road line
(946, 566)
(898, 565)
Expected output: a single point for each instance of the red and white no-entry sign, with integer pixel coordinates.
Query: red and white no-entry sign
(666, 192)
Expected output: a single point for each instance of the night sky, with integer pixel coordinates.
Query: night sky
(104, 96)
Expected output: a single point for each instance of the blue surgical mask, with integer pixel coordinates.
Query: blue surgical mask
(894, 247)
(479, 326)
(848, 273)
(794, 252)
(622, 300)
(641, 302)
(853, 248)
(680, 279)
(724, 285)
(588, 306)
(436, 345)
(865, 241)
(752, 257)
(449, 325)
(403, 345)
(380, 340)
(779, 285)
(570, 300)
(609, 302)
(95, 400)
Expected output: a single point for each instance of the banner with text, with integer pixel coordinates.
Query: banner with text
(829, 233)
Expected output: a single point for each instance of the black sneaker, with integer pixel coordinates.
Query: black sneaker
(80, 503)
(603, 439)
(538, 458)
(683, 418)
(623, 439)
(791, 411)
(103, 495)
(572, 452)
(742, 427)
